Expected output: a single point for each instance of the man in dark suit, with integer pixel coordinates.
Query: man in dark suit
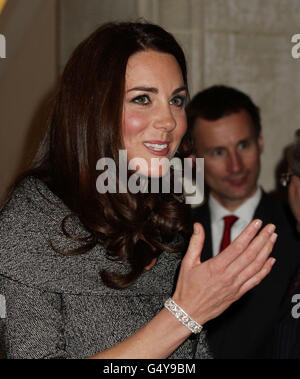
(225, 129)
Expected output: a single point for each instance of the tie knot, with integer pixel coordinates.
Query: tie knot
(229, 221)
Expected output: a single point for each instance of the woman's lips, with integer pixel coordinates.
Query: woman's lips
(160, 148)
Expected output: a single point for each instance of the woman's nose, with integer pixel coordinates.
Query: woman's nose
(165, 119)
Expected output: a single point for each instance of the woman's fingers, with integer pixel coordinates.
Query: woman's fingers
(249, 267)
(238, 246)
(257, 251)
(193, 253)
(257, 278)
(257, 265)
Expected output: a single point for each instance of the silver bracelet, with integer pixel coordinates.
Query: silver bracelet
(183, 317)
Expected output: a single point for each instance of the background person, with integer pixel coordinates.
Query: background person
(294, 186)
(225, 129)
(288, 346)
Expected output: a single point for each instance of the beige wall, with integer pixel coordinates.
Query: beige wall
(26, 77)
(236, 42)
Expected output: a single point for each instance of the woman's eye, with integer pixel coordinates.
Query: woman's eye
(142, 100)
(178, 101)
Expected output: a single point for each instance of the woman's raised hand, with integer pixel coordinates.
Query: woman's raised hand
(205, 290)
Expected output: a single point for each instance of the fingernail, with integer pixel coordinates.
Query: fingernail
(273, 237)
(196, 229)
(273, 261)
(258, 224)
(271, 228)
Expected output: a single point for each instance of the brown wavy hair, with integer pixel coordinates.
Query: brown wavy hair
(84, 126)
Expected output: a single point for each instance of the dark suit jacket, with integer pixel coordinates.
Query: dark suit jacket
(247, 329)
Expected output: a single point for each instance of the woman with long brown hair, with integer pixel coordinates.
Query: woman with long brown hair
(86, 273)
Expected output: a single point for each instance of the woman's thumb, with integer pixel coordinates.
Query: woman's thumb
(193, 253)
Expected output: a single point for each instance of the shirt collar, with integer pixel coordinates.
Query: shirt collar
(244, 212)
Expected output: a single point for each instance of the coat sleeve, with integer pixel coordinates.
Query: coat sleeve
(31, 311)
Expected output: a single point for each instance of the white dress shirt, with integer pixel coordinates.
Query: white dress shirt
(244, 213)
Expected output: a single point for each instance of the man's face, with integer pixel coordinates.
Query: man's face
(231, 155)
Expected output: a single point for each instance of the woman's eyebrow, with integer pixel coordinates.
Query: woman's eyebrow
(180, 89)
(144, 89)
(155, 90)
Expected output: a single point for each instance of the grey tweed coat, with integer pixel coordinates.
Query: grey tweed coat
(54, 306)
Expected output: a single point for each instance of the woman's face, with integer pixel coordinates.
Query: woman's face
(154, 119)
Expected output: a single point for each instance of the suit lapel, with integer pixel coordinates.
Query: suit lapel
(263, 210)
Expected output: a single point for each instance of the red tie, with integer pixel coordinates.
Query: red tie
(229, 221)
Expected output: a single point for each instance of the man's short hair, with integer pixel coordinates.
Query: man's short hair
(219, 101)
